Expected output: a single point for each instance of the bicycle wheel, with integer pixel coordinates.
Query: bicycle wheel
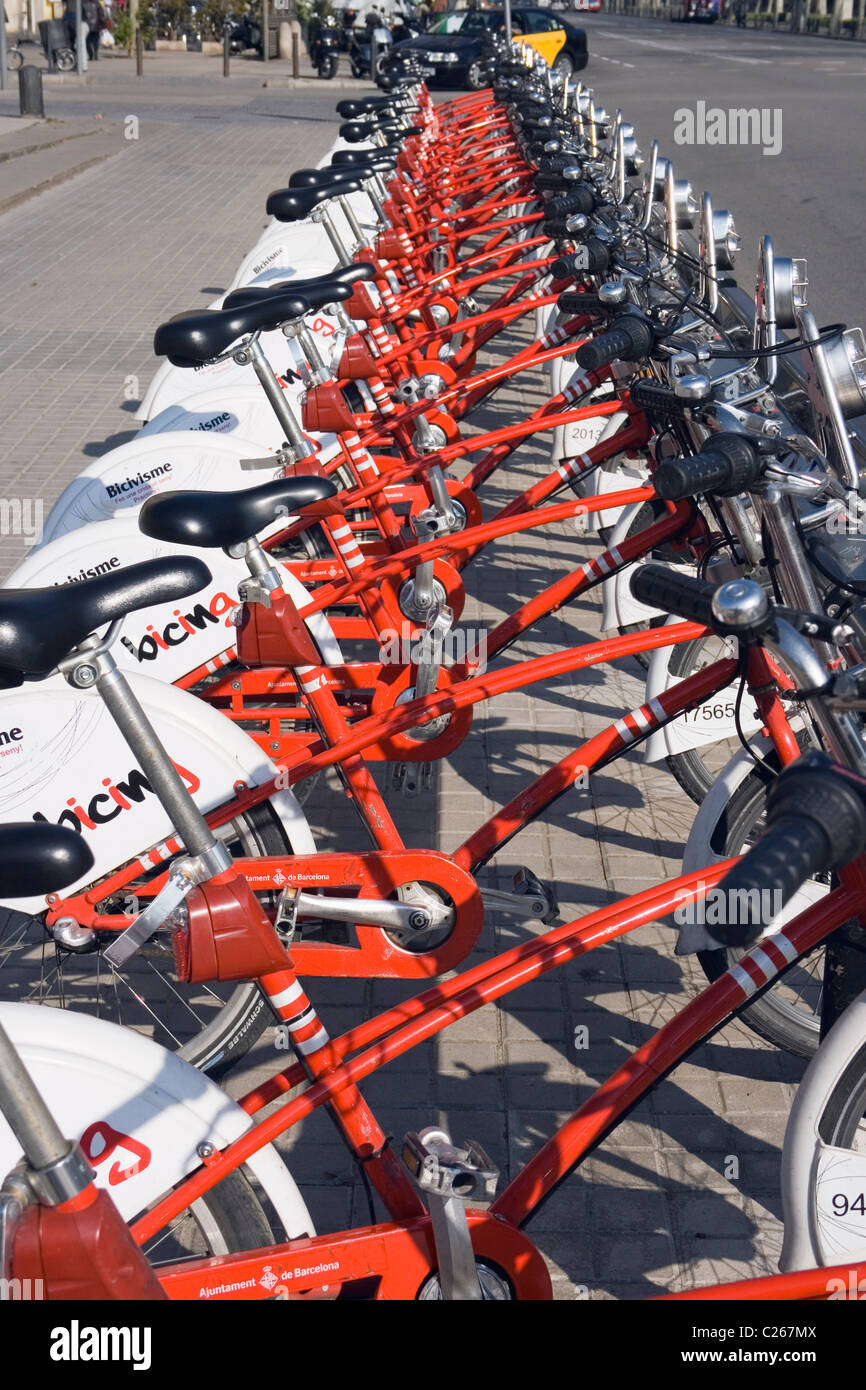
(649, 513)
(789, 1013)
(225, 1221)
(696, 769)
(211, 1025)
(825, 1154)
(14, 59)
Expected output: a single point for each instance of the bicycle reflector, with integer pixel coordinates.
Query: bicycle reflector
(222, 933)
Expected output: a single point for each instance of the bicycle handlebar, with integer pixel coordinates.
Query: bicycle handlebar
(630, 339)
(727, 464)
(816, 821)
(659, 586)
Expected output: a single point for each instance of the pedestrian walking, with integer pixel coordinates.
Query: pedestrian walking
(95, 18)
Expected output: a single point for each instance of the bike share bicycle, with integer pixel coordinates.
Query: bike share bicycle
(448, 1245)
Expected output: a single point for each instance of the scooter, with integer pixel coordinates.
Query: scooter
(246, 34)
(347, 30)
(361, 50)
(325, 48)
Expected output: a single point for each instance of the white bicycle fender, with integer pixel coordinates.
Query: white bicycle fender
(70, 764)
(813, 1173)
(171, 384)
(708, 723)
(141, 1110)
(619, 607)
(238, 408)
(286, 244)
(700, 854)
(123, 479)
(168, 639)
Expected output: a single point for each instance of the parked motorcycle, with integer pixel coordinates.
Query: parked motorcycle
(406, 26)
(346, 32)
(245, 34)
(325, 47)
(375, 33)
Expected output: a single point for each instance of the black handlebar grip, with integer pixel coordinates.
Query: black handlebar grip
(629, 340)
(565, 267)
(816, 821)
(593, 258)
(657, 399)
(556, 228)
(575, 302)
(728, 464)
(577, 199)
(551, 168)
(659, 586)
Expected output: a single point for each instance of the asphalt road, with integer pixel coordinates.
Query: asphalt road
(810, 197)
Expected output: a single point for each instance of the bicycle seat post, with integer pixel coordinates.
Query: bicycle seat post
(92, 665)
(322, 215)
(253, 352)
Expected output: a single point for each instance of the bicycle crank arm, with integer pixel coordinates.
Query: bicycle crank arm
(372, 912)
(423, 897)
(534, 908)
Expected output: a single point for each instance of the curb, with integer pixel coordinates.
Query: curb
(321, 84)
(22, 150)
(27, 193)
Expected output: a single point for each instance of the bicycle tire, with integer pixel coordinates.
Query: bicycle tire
(238, 1021)
(689, 768)
(771, 1015)
(225, 1221)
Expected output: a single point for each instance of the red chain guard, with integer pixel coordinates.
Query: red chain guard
(374, 875)
(449, 578)
(401, 1257)
(403, 747)
(273, 683)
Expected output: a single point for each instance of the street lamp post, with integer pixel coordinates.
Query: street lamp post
(508, 20)
(79, 39)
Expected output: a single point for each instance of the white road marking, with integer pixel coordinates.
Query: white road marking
(693, 52)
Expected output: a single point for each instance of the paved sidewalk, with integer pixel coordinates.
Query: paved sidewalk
(87, 270)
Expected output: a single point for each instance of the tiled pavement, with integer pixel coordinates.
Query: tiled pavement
(86, 271)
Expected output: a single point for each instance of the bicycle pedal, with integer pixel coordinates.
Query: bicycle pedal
(442, 1169)
(527, 884)
(286, 919)
(412, 779)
